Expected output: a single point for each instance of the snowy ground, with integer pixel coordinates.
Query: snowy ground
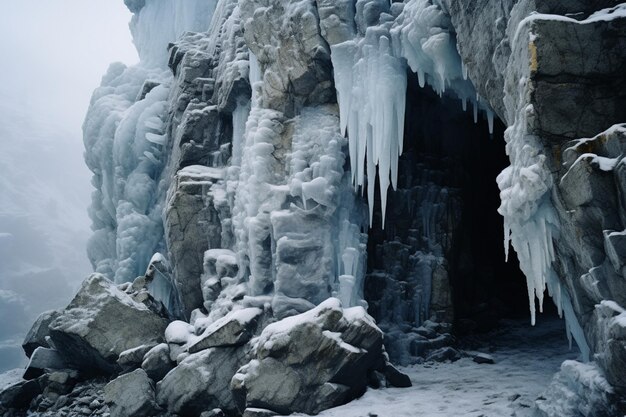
(526, 358)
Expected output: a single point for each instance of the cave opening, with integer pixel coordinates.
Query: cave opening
(441, 252)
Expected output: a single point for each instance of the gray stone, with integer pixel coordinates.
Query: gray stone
(201, 381)
(41, 360)
(38, 332)
(396, 378)
(132, 358)
(286, 39)
(234, 329)
(131, 395)
(443, 354)
(188, 203)
(157, 362)
(16, 392)
(89, 339)
(483, 358)
(310, 362)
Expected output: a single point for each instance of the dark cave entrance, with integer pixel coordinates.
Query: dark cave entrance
(443, 222)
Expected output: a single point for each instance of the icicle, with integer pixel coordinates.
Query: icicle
(490, 120)
(464, 70)
(475, 112)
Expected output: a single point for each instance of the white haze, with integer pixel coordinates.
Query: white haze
(53, 54)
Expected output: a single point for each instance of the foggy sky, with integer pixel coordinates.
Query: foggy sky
(53, 54)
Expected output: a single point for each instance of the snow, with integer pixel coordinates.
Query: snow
(525, 360)
(178, 332)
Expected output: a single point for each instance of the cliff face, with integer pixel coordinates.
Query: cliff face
(231, 165)
(250, 158)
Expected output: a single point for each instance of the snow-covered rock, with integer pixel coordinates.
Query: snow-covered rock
(578, 389)
(131, 395)
(132, 358)
(157, 362)
(43, 360)
(311, 361)
(100, 323)
(233, 329)
(201, 382)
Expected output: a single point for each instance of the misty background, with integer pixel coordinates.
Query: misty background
(53, 55)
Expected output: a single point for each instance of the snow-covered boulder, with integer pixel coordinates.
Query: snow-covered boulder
(201, 382)
(132, 358)
(100, 323)
(578, 389)
(157, 362)
(131, 395)
(234, 329)
(310, 362)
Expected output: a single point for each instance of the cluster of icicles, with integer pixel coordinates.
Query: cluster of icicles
(371, 81)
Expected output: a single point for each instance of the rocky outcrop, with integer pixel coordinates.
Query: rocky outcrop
(233, 161)
(100, 323)
(312, 361)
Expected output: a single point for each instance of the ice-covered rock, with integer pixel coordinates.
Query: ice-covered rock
(577, 389)
(131, 395)
(312, 361)
(88, 338)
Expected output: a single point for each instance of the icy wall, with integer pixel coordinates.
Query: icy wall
(244, 162)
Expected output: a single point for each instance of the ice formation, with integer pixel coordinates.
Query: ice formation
(273, 185)
(126, 142)
(370, 76)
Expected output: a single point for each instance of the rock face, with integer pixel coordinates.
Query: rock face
(100, 323)
(312, 361)
(237, 151)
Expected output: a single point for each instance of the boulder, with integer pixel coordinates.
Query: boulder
(312, 361)
(38, 332)
(100, 323)
(483, 358)
(201, 382)
(258, 412)
(41, 360)
(396, 378)
(234, 329)
(131, 395)
(132, 358)
(157, 362)
(15, 391)
(443, 354)
(578, 389)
